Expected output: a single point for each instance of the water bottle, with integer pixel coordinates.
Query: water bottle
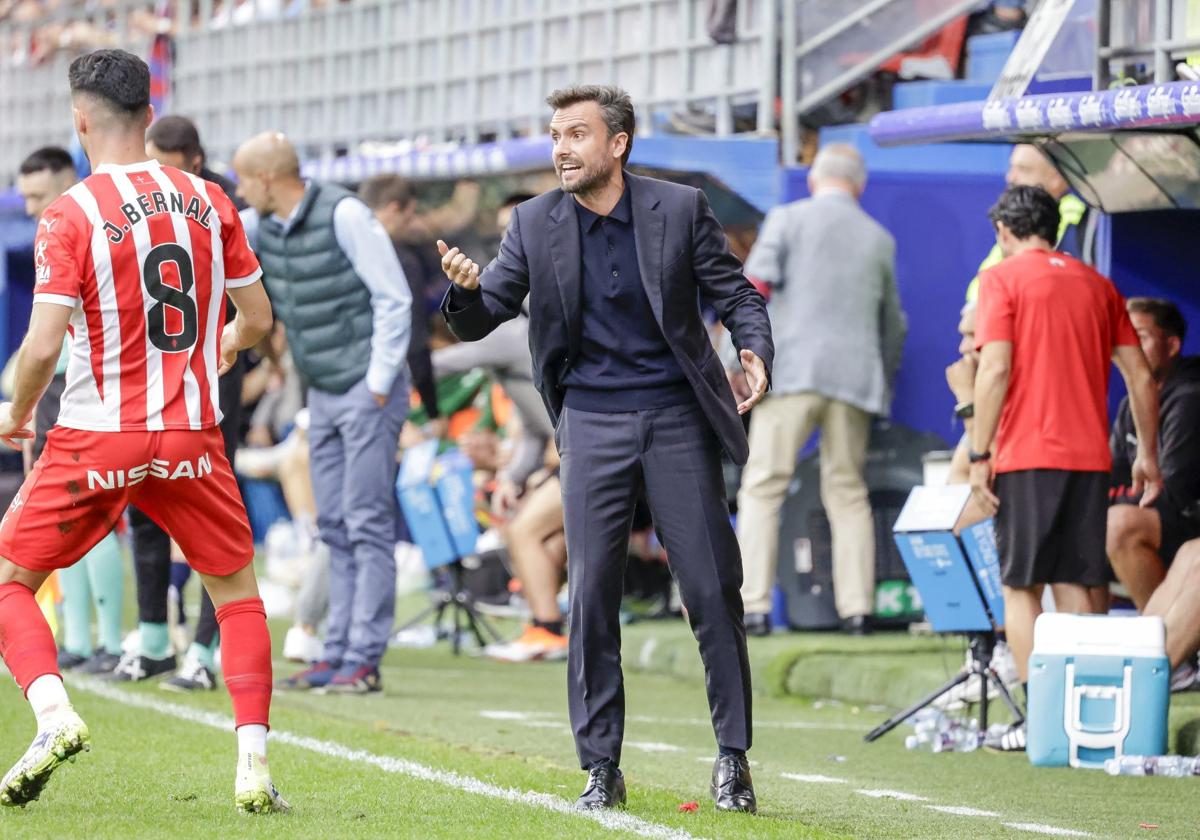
(1175, 766)
(927, 725)
(958, 737)
(935, 732)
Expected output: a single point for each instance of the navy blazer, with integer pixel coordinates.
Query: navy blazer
(684, 259)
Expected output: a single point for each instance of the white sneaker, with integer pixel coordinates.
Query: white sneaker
(1011, 739)
(254, 792)
(301, 646)
(536, 643)
(1005, 666)
(60, 741)
(966, 693)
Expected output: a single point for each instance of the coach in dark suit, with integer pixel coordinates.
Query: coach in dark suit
(615, 267)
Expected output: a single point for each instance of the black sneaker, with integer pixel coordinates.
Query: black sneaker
(101, 663)
(68, 661)
(135, 667)
(193, 675)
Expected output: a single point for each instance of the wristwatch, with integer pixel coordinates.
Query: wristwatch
(964, 410)
(978, 457)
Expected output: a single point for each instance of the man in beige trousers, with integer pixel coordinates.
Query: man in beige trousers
(839, 331)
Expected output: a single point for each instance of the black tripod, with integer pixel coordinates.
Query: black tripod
(981, 665)
(461, 604)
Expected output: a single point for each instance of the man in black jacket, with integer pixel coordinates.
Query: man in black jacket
(1142, 542)
(615, 267)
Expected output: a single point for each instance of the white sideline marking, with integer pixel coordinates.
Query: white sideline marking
(1038, 828)
(653, 746)
(506, 714)
(892, 794)
(494, 714)
(961, 811)
(813, 778)
(710, 759)
(611, 820)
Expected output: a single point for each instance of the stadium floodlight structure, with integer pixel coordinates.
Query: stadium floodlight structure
(958, 578)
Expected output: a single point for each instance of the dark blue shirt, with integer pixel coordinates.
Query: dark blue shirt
(624, 362)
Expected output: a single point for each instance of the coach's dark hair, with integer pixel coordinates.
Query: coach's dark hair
(174, 133)
(119, 78)
(615, 105)
(1027, 212)
(379, 191)
(53, 158)
(1166, 315)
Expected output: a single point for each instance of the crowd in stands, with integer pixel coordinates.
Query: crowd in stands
(34, 31)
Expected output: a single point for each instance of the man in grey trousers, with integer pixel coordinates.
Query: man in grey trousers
(614, 267)
(840, 331)
(335, 282)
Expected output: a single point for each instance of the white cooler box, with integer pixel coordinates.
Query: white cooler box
(1099, 687)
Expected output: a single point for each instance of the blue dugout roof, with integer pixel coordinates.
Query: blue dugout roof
(1176, 104)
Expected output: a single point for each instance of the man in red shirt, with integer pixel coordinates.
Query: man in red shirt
(135, 262)
(1048, 326)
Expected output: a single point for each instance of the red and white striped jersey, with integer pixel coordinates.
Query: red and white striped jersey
(143, 254)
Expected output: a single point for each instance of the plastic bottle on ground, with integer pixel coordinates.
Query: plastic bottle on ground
(1175, 766)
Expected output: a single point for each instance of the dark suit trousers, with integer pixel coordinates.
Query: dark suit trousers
(674, 454)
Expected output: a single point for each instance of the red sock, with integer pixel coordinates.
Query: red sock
(246, 659)
(26, 643)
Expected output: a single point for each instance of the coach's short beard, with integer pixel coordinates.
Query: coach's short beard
(589, 182)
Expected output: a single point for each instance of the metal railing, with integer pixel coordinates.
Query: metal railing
(341, 76)
(832, 45)
(1150, 36)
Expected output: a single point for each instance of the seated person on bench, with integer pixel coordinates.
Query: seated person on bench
(1143, 542)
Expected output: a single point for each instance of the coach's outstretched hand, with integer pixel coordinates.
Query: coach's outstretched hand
(462, 271)
(13, 431)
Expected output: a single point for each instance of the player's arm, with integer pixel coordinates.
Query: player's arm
(991, 388)
(1143, 402)
(251, 324)
(36, 361)
(243, 284)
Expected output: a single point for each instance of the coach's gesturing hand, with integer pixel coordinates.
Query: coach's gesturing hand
(756, 379)
(462, 271)
(12, 430)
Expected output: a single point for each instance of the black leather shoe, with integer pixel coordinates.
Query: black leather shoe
(758, 624)
(732, 787)
(856, 625)
(605, 789)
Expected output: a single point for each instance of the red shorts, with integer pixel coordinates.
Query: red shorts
(83, 481)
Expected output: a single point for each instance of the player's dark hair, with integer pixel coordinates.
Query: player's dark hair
(513, 199)
(119, 78)
(174, 133)
(379, 191)
(1166, 315)
(615, 105)
(1028, 212)
(53, 158)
